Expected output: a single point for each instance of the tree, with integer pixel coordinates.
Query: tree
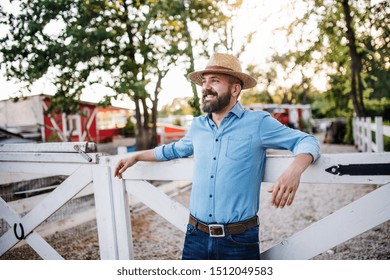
(357, 87)
(350, 42)
(124, 45)
(179, 106)
(129, 41)
(209, 16)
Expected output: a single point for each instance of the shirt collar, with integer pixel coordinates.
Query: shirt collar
(237, 110)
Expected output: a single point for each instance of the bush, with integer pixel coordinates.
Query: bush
(129, 129)
(177, 121)
(386, 144)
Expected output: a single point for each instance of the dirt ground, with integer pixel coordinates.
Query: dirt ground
(156, 239)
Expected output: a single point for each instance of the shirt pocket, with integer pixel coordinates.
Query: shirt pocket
(238, 147)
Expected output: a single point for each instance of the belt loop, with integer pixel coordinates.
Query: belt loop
(226, 229)
(196, 222)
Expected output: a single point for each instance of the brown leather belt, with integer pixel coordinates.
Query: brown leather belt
(221, 230)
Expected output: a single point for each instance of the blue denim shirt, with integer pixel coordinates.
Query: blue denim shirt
(230, 161)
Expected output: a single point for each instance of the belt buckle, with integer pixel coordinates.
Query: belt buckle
(213, 226)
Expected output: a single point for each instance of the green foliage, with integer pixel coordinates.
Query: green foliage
(348, 137)
(179, 106)
(53, 137)
(124, 45)
(376, 107)
(386, 139)
(251, 96)
(177, 122)
(386, 144)
(129, 130)
(129, 45)
(325, 48)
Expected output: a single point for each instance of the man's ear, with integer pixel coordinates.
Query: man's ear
(236, 90)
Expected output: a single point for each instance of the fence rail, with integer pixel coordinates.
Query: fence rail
(362, 134)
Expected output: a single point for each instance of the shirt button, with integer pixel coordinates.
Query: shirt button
(216, 140)
(210, 215)
(212, 176)
(211, 195)
(214, 158)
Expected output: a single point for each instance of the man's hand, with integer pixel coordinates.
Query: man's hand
(286, 186)
(123, 164)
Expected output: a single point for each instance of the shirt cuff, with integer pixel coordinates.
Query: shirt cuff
(308, 149)
(159, 153)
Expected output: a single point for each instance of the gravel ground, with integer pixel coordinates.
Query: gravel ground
(164, 242)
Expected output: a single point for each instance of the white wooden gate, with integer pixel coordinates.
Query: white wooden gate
(73, 159)
(84, 166)
(344, 224)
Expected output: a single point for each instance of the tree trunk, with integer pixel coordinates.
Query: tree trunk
(143, 139)
(356, 64)
(143, 130)
(154, 136)
(194, 102)
(144, 134)
(305, 85)
(139, 136)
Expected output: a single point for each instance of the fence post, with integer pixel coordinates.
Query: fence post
(105, 214)
(379, 134)
(360, 135)
(112, 213)
(122, 219)
(354, 131)
(368, 135)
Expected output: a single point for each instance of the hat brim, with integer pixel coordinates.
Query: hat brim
(247, 81)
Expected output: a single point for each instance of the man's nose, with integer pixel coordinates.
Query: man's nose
(206, 86)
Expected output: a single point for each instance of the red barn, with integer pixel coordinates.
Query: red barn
(91, 123)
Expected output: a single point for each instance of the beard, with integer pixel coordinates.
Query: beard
(216, 104)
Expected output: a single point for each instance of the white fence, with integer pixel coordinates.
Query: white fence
(23, 161)
(86, 168)
(362, 134)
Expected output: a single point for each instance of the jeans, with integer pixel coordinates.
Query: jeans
(198, 245)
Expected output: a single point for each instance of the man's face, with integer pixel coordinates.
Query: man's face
(216, 92)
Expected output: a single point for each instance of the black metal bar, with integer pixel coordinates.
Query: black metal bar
(374, 169)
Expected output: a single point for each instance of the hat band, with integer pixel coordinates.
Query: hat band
(218, 68)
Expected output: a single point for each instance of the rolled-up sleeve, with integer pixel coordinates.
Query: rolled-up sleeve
(308, 145)
(180, 149)
(274, 135)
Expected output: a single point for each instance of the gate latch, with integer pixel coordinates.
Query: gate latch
(376, 169)
(82, 153)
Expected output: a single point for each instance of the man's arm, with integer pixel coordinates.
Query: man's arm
(285, 187)
(125, 163)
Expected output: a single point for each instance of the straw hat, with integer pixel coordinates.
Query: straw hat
(223, 64)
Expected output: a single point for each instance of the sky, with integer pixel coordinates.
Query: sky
(251, 17)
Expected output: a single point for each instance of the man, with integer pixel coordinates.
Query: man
(229, 148)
